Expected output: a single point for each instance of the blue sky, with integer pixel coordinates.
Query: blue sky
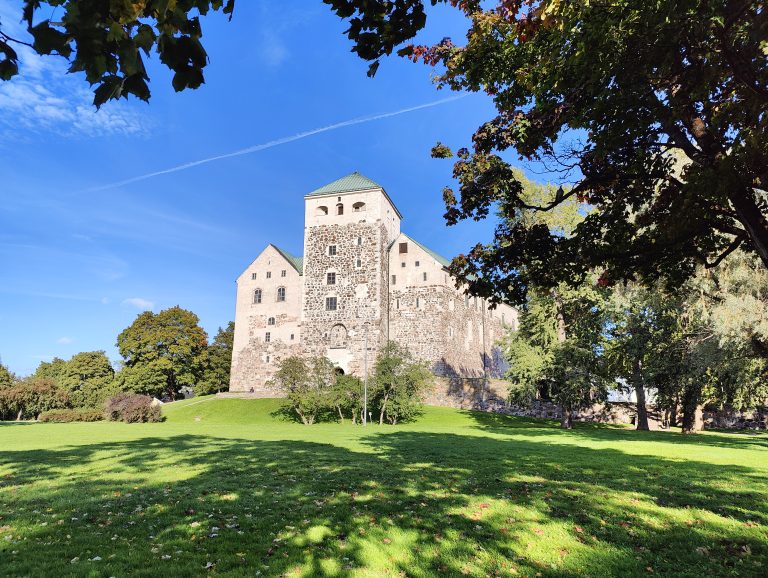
(79, 261)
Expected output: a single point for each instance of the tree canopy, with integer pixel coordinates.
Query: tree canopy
(170, 344)
(109, 39)
(609, 96)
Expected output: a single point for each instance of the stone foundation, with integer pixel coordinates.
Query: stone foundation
(728, 418)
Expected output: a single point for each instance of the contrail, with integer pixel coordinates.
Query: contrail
(274, 143)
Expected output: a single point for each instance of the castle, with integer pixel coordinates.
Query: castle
(360, 281)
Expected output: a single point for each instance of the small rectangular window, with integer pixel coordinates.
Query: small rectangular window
(291, 336)
(253, 275)
(402, 264)
(403, 248)
(425, 276)
(394, 279)
(359, 240)
(417, 302)
(282, 273)
(330, 304)
(331, 250)
(268, 358)
(359, 263)
(397, 303)
(269, 274)
(267, 337)
(417, 263)
(330, 279)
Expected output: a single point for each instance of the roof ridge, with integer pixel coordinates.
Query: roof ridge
(295, 261)
(354, 181)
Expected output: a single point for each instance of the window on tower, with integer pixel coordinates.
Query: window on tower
(331, 250)
(321, 211)
(358, 207)
(269, 274)
(253, 275)
(330, 279)
(267, 337)
(330, 304)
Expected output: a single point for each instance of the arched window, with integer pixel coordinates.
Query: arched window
(257, 295)
(281, 293)
(339, 209)
(271, 321)
(358, 207)
(321, 211)
(338, 336)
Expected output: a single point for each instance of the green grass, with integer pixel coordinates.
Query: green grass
(224, 487)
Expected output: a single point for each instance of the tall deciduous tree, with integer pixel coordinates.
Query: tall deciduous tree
(50, 369)
(6, 377)
(108, 40)
(88, 378)
(218, 362)
(609, 94)
(170, 343)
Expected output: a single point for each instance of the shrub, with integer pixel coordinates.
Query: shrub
(132, 408)
(31, 397)
(306, 386)
(69, 415)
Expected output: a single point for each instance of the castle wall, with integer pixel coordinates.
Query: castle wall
(254, 359)
(456, 334)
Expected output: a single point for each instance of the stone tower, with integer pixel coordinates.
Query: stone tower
(349, 225)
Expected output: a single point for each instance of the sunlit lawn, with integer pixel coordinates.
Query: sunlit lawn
(224, 488)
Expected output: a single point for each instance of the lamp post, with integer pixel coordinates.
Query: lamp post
(365, 378)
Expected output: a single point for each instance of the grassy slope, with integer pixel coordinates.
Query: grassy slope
(226, 483)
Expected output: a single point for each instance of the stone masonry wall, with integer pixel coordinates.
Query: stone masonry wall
(359, 292)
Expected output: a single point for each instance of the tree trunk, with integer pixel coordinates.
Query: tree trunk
(18, 416)
(566, 417)
(566, 412)
(743, 201)
(674, 411)
(383, 409)
(691, 410)
(341, 415)
(642, 410)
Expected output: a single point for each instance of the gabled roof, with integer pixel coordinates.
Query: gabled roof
(436, 256)
(352, 182)
(297, 262)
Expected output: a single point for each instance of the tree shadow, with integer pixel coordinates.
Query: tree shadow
(404, 503)
(505, 424)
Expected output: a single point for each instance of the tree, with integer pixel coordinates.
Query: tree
(30, 397)
(346, 396)
(218, 362)
(50, 369)
(146, 378)
(6, 377)
(557, 351)
(105, 39)
(88, 378)
(642, 322)
(399, 382)
(170, 343)
(609, 95)
(306, 385)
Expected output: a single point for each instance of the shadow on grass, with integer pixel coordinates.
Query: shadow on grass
(413, 503)
(499, 423)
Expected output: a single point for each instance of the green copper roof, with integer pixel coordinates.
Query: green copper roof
(352, 182)
(297, 262)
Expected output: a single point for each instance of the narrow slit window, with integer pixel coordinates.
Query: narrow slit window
(267, 337)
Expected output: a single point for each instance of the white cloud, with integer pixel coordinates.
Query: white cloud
(105, 300)
(44, 98)
(64, 340)
(139, 303)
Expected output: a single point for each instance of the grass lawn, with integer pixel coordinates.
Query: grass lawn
(224, 488)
